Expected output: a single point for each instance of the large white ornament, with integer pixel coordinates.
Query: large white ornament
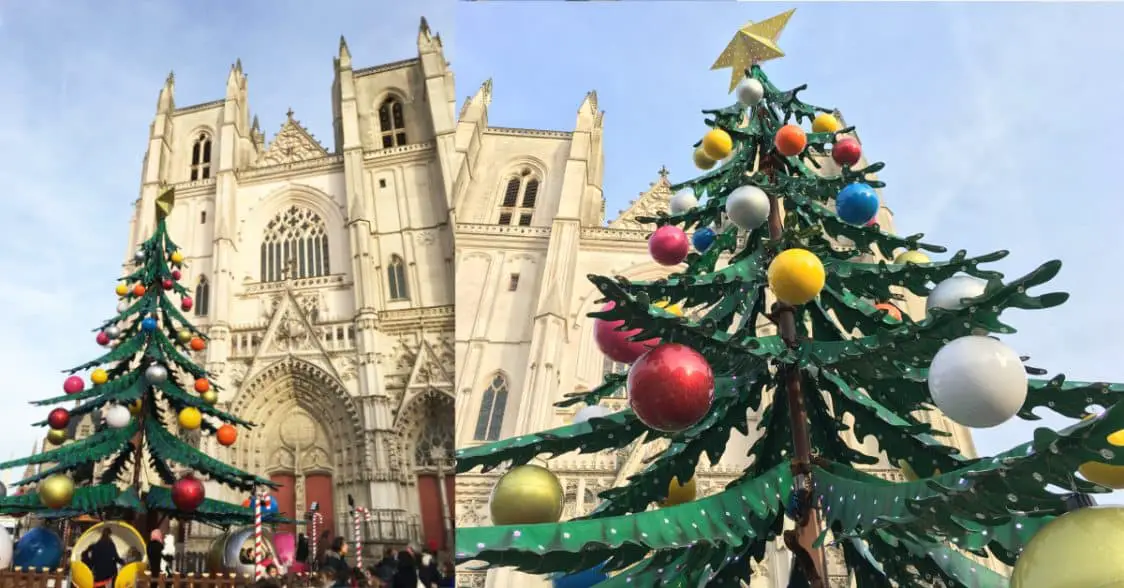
(748, 207)
(117, 416)
(593, 411)
(122, 307)
(156, 374)
(950, 293)
(977, 381)
(682, 201)
(749, 92)
(6, 549)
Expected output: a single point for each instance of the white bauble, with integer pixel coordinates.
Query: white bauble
(682, 201)
(950, 293)
(749, 92)
(117, 416)
(113, 331)
(593, 411)
(156, 374)
(122, 307)
(6, 549)
(748, 207)
(977, 381)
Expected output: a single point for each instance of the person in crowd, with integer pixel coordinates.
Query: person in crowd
(105, 559)
(406, 573)
(335, 562)
(448, 576)
(155, 552)
(302, 549)
(384, 570)
(428, 574)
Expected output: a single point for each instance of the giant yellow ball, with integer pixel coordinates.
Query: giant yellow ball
(190, 418)
(1080, 549)
(56, 436)
(526, 495)
(56, 491)
(127, 577)
(680, 494)
(826, 123)
(702, 161)
(717, 144)
(911, 257)
(1105, 474)
(796, 276)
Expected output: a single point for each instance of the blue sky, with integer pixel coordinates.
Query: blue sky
(995, 122)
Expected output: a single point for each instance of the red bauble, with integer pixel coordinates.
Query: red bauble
(58, 418)
(188, 493)
(102, 338)
(167, 283)
(671, 388)
(615, 344)
(176, 275)
(186, 303)
(846, 151)
(669, 245)
(73, 385)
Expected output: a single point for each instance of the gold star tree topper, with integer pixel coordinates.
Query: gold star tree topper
(753, 43)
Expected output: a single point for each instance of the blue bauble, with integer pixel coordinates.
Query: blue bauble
(269, 507)
(148, 324)
(582, 579)
(856, 203)
(38, 548)
(703, 239)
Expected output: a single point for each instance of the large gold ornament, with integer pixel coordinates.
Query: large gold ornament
(1079, 549)
(526, 495)
(56, 491)
(210, 397)
(680, 494)
(1111, 476)
(56, 436)
(753, 43)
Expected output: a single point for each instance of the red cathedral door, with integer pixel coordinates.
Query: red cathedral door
(318, 488)
(286, 497)
(432, 515)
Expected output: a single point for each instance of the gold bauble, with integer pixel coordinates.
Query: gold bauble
(1080, 549)
(183, 336)
(526, 495)
(190, 418)
(56, 491)
(135, 407)
(210, 397)
(911, 257)
(1111, 476)
(56, 436)
(680, 494)
(702, 161)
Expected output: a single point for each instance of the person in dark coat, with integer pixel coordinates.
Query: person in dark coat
(155, 552)
(428, 573)
(302, 549)
(335, 562)
(384, 570)
(406, 575)
(104, 557)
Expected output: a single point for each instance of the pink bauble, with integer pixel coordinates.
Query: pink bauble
(671, 388)
(615, 344)
(73, 385)
(285, 546)
(187, 303)
(102, 338)
(846, 151)
(669, 245)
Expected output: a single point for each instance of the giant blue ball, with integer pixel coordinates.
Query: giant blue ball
(582, 579)
(148, 324)
(856, 203)
(38, 548)
(703, 239)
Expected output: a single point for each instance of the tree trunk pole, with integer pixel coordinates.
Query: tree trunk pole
(800, 541)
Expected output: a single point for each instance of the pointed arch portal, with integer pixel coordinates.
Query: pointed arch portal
(427, 435)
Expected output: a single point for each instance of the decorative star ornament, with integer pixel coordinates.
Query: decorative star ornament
(753, 43)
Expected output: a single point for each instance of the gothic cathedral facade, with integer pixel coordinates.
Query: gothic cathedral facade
(324, 279)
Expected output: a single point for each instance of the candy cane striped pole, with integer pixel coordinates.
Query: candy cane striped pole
(360, 512)
(316, 517)
(259, 571)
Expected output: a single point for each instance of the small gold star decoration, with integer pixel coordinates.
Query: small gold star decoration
(753, 43)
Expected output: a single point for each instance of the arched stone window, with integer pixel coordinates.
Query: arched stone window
(519, 196)
(294, 245)
(201, 157)
(392, 123)
(492, 406)
(202, 296)
(396, 279)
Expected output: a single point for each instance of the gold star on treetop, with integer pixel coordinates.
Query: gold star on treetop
(753, 43)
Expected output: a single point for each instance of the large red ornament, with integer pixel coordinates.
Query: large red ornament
(615, 344)
(102, 338)
(167, 283)
(188, 493)
(846, 151)
(186, 303)
(671, 388)
(58, 418)
(176, 274)
(669, 245)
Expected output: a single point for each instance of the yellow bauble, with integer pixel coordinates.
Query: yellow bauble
(1104, 474)
(210, 397)
(135, 407)
(826, 123)
(190, 418)
(56, 436)
(99, 376)
(56, 491)
(796, 276)
(1080, 549)
(183, 336)
(80, 575)
(717, 144)
(677, 494)
(122, 289)
(127, 577)
(702, 161)
(669, 308)
(177, 257)
(911, 257)
(526, 495)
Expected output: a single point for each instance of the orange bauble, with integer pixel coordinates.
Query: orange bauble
(226, 435)
(197, 344)
(202, 385)
(890, 310)
(790, 140)
(138, 290)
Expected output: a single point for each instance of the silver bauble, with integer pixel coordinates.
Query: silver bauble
(122, 307)
(977, 381)
(117, 416)
(156, 374)
(139, 255)
(747, 207)
(682, 201)
(112, 331)
(593, 411)
(749, 92)
(951, 293)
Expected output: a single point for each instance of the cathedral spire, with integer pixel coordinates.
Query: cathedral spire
(166, 103)
(344, 59)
